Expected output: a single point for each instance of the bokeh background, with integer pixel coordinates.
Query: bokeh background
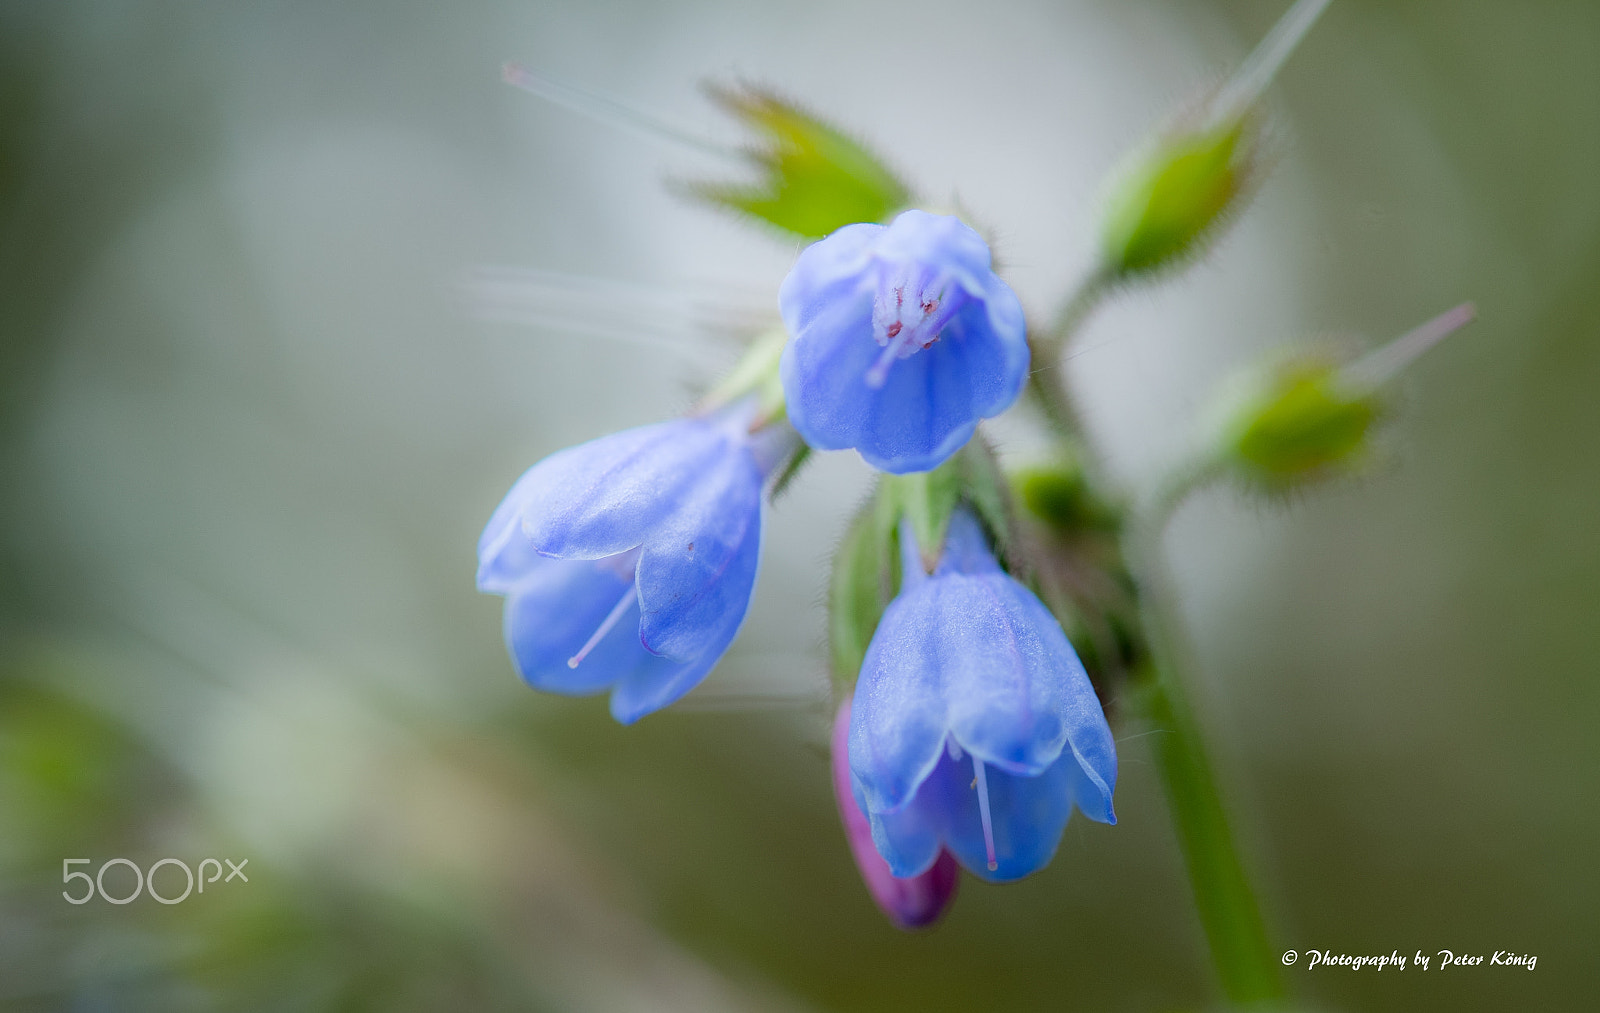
(258, 400)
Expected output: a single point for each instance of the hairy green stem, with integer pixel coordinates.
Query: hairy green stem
(1046, 385)
(1245, 959)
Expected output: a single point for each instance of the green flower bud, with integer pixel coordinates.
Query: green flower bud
(1304, 420)
(1175, 194)
(1060, 496)
(1310, 416)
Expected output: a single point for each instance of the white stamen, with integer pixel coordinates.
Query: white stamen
(878, 373)
(982, 783)
(908, 317)
(1257, 70)
(611, 620)
(952, 749)
(1382, 364)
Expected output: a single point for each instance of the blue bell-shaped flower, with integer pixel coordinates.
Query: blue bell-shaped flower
(902, 340)
(974, 727)
(628, 562)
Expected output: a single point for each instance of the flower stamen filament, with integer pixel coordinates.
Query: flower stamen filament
(982, 784)
(606, 625)
(908, 315)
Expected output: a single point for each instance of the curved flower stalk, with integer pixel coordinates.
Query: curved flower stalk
(913, 902)
(975, 728)
(628, 562)
(903, 339)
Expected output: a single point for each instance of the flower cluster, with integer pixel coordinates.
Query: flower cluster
(967, 728)
(628, 562)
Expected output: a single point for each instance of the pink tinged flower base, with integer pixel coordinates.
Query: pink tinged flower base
(911, 903)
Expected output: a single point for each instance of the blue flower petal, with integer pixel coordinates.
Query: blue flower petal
(898, 721)
(833, 351)
(917, 236)
(650, 687)
(1004, 680)
(827, 272)
(505, 556)
(909, 839)
(1027, 815)
(966, 550)
(605, 496)
(699, 565)
(970, 366)
(1089, 738)
(554, 610)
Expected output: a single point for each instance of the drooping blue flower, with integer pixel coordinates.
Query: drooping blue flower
(903, 339)
(975, 728)
(628, 562)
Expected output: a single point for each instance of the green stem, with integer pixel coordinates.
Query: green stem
(1078, 306)
(1245, 959)
(1045, 384)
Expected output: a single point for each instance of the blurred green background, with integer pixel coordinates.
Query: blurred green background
(257, 405)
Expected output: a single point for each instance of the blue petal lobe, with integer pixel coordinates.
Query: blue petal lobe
(994, 674)
(824, 371)
(505, 556)
(605, 496)
(648, 688)
(827, 272)
(552, 613)
(698, 566)
(920, 237)
(1027, 814)
(1095, 751)
(897, 723)
(909, 839)
(996, 390)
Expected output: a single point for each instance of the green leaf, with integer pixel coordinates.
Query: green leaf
(983, 486)
(865, 579)
(756, 372)
(791, 468)
(927, 499)
(814, 179)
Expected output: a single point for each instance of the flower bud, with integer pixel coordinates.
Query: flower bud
(1309, 416)
(1304, 419)
(1180, 189)
(913, 902)
(1175, 193)
(1060, 496)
